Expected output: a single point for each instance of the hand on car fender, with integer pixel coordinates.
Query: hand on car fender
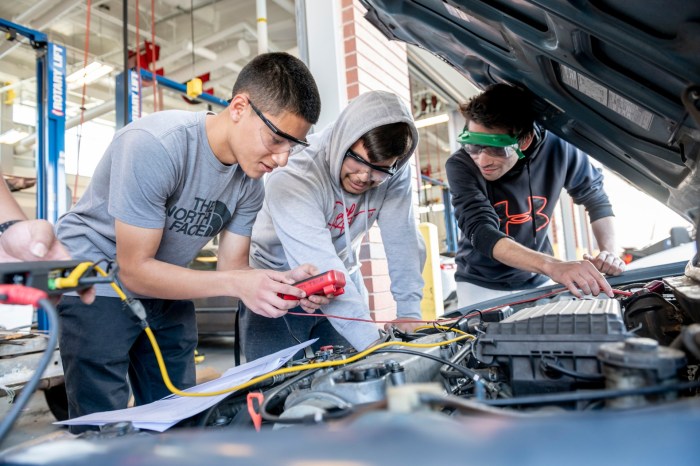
(607, 262)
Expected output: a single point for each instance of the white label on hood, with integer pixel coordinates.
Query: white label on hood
(605, 96)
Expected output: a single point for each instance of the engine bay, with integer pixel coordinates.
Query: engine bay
(552, 353)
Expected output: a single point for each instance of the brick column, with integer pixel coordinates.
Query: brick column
(372, 62)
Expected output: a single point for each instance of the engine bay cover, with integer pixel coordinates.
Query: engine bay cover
(564, 334)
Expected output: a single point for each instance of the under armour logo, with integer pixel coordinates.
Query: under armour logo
(536, 204)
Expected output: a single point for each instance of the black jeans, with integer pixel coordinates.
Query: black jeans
(261, 336)
(102, 342)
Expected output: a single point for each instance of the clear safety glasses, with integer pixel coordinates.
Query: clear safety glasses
(276, 140)
(495, 145)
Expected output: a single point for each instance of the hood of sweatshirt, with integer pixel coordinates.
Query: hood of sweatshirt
(307, 216)
(369, 110)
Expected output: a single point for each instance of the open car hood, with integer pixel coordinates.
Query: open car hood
(620, 80)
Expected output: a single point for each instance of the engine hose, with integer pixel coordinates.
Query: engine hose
(479, 385)
(29, 387)
(468, 406)
(569, 397)
(550, 366)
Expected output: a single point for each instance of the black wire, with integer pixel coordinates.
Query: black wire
(568, 397)
(546, 365)
(289, 328)
(465, 316)
(468, 373)
(30, 386)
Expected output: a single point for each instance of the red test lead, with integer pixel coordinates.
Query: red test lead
(19, 294)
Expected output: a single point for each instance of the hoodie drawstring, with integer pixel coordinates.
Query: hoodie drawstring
(346, 232)
(532, 201)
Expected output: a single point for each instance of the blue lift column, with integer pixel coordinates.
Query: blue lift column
(133, 99)
(50, 129)
(54, 157)
(51, 120)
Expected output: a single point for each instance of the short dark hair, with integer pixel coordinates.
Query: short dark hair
(278, 82)
(502, 106)
(388, 141)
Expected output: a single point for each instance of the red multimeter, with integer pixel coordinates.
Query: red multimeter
(329, 283)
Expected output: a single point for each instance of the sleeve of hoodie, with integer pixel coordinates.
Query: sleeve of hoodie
(476, 217)
(584, 183)
(297, 205)
(404, 246)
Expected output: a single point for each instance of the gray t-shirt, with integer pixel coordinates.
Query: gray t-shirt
(160, 172)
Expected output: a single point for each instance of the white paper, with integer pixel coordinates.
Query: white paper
(165, 413)
(16, 316)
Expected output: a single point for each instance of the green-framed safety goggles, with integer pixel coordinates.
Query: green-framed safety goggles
(497, 145)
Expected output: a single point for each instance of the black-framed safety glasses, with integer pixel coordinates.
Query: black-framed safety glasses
(381, 173)
(290, 143)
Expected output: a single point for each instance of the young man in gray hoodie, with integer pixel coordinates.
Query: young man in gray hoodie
(318, 209)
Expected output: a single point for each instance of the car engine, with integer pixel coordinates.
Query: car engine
(556, 352)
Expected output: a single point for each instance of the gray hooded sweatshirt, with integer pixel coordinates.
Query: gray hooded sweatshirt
(306, 217)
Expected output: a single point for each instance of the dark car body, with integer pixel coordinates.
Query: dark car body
(618, 79)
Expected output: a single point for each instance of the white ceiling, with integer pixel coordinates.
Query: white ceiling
(225, 37)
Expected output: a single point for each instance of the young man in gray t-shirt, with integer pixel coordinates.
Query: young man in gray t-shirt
(167, 184)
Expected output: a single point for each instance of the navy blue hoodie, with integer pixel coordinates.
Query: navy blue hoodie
(487, 211)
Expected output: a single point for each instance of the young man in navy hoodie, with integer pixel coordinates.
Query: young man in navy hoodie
(505, 182)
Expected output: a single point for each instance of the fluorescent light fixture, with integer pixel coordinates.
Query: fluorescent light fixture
(12, 136)
(433, 120)
(90, 73)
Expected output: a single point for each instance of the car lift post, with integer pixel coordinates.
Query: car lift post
(51, 120)
(51, 126)
(133, 101)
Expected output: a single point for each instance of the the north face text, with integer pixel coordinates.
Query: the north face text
(205, 218)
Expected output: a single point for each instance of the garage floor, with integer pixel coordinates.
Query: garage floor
(35, 425)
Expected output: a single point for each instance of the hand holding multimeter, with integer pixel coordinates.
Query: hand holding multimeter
(331, 283)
